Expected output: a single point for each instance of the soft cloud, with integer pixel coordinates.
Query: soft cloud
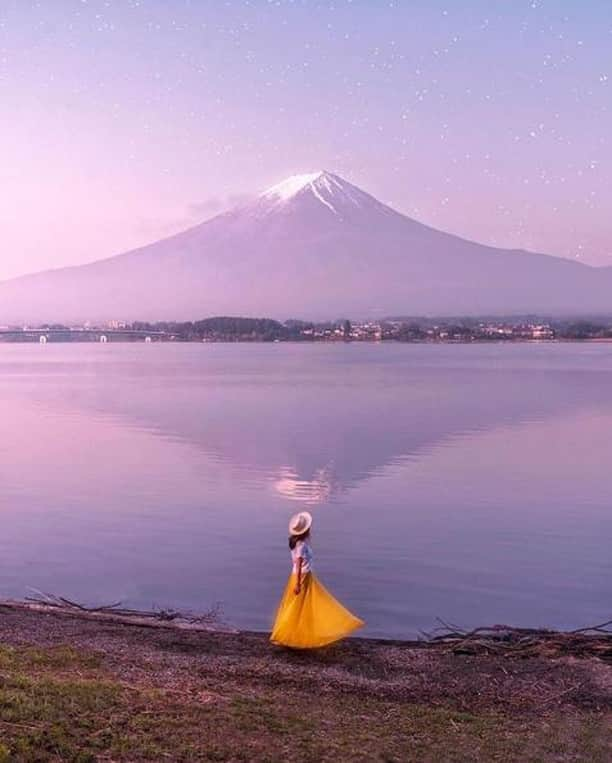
(202, 210)
(150, 229)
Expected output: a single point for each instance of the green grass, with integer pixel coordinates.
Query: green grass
(62, 705)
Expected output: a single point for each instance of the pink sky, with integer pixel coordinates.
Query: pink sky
(122, 122)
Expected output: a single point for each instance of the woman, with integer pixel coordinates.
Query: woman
(308, 615)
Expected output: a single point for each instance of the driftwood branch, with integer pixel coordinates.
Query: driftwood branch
(209, 620)
(594, 640)
(602, 628)
(50, 600)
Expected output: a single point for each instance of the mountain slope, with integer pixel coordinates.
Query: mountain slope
(313, 246)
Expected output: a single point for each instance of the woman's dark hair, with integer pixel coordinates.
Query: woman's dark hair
(294, 539)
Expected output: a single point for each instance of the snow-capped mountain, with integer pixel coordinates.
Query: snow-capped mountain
(334, 193)
(313, 246)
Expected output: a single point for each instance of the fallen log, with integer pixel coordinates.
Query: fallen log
(210, 620)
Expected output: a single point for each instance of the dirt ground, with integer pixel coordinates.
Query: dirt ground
(75, 689)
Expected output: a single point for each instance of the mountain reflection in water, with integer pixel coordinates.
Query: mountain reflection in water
(460, 481)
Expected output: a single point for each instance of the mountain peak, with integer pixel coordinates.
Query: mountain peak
(330, 190)
(293, 185)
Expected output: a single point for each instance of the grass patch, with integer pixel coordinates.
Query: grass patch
(60, 704)
(51, 658)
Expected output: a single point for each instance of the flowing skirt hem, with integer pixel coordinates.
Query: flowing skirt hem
(312, 618)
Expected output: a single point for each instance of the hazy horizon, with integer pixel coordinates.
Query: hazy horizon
(123, 123)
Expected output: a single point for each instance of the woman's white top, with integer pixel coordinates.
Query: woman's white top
(302, 551)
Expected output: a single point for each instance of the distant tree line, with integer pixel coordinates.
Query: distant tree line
(236, 329)
(584, 330)
(228, 328)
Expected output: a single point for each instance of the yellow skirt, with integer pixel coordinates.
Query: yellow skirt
(312, 618)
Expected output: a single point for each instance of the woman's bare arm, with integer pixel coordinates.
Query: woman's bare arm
(298, 586)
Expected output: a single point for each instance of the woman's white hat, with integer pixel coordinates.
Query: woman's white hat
(300, 523)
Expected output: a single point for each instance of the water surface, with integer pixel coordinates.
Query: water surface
(466, 482)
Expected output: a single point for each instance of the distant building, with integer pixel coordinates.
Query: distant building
(542, 332)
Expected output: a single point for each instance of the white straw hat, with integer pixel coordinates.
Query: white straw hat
(300, 523)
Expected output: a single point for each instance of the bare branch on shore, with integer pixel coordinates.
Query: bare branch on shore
(602, 628)
(209, 620)
(594, 640)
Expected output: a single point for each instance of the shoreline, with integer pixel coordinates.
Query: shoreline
(74, 684)
(310, 342)
(593, 639)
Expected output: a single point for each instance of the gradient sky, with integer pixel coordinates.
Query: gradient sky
(122, 121)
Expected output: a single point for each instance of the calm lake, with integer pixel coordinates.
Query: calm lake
(472, 483)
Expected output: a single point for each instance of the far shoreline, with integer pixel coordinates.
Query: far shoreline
(296, 342)
(245, 330)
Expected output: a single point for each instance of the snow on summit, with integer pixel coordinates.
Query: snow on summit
(330, 190)
(292, 185)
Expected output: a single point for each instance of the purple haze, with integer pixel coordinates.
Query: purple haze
(122, 122)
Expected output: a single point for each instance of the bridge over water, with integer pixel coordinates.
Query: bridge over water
(44, 335)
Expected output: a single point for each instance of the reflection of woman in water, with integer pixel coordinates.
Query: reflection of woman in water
(308, 615)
